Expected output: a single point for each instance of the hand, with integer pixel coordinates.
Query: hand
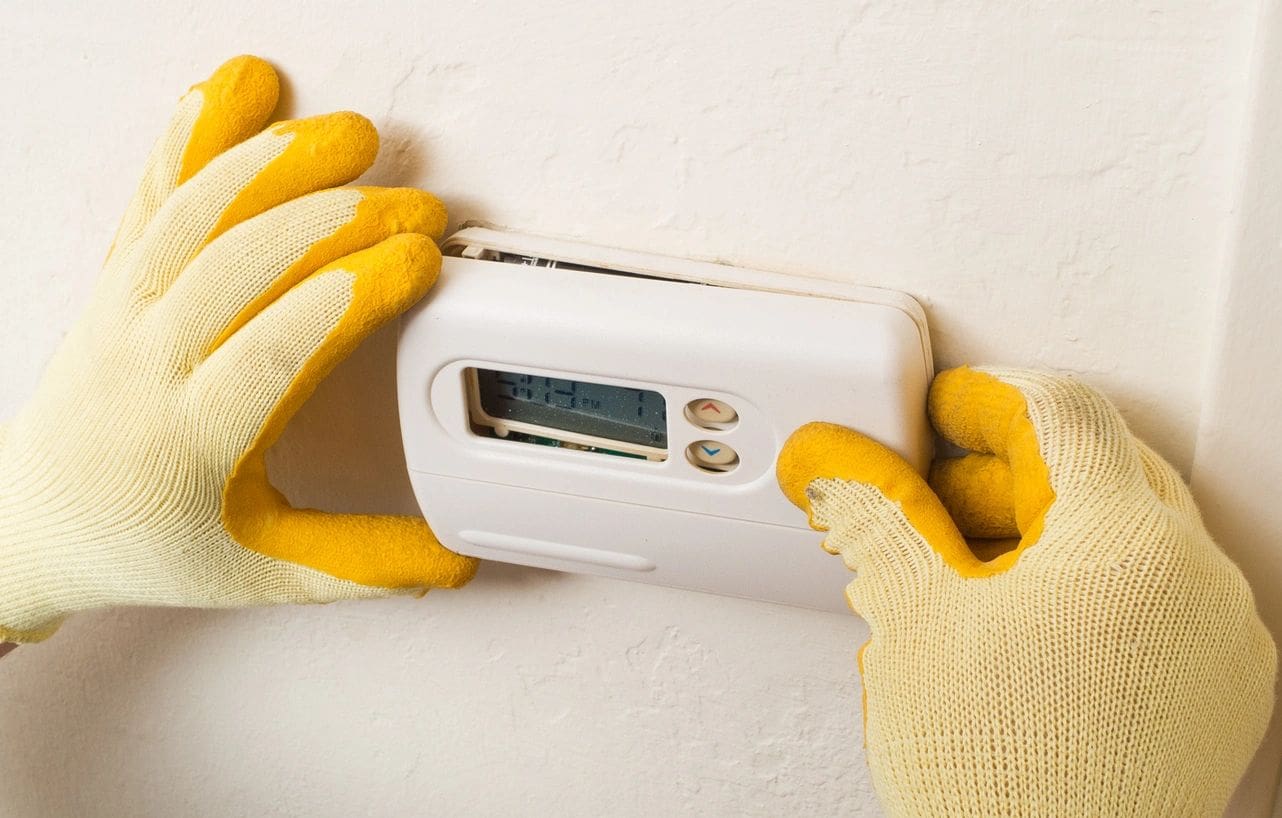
(1106, 659)
(240, 277)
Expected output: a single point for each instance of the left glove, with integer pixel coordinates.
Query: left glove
(241, 275)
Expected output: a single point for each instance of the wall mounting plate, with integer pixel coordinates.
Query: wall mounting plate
(613, 412)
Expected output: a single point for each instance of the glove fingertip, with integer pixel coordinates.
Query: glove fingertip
(345, 140)
(820, 449)
(405, 210)
(806, 455)
(237, 100)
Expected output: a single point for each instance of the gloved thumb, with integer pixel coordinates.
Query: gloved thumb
(881, 515)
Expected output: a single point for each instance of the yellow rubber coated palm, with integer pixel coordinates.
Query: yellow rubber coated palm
(240, 276)
(1096, 654)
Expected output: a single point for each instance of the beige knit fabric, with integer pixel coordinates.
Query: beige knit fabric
(111, 477)
(1118, 669)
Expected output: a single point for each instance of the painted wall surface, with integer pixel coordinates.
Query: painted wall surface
(1054, 182)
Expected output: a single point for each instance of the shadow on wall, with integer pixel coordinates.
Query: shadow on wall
(342, 451)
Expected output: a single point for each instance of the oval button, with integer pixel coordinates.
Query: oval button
(712, 455)
(710, 413)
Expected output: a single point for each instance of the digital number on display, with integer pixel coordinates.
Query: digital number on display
(623, 414)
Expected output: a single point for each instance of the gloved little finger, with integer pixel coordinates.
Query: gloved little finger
(224, 110)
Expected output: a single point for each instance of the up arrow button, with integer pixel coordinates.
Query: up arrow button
(711, 413)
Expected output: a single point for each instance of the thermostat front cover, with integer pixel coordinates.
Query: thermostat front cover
(596, 410)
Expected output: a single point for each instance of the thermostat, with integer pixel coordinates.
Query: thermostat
(596, 410)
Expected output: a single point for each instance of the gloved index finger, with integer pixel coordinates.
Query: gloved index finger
(1063, 441)
(984, 414)
(977, 411)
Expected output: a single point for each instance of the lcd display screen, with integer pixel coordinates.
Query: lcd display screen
(624, 414)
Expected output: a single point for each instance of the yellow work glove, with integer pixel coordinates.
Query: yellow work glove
(1110, 663)
(239, 277)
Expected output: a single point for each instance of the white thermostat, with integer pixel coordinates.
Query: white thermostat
(596, 410)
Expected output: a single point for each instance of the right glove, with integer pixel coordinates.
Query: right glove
(1105, 660)
(240, 277)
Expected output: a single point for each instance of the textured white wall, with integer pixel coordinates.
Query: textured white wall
(1053, 181)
